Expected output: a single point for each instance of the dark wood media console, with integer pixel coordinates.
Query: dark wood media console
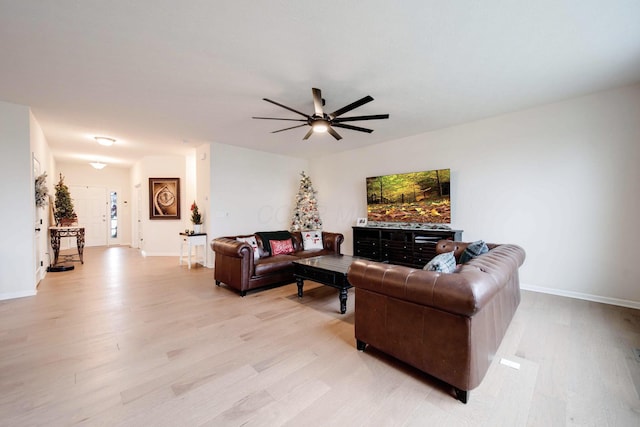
(403, 246)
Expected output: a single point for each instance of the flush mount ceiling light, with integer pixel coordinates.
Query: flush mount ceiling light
(98, 165)
(106, 141)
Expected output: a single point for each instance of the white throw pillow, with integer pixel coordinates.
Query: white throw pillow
(253, 243)
(312, 240)
(443, 263)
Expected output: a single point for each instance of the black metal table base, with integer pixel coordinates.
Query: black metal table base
(60, 267)
(56, 233)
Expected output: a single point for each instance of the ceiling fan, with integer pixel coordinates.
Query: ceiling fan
(323, 122)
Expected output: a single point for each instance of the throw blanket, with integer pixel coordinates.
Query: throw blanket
(272, 235)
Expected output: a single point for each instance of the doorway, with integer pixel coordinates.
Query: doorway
(40, 242)
(137, 220)
(91, 205)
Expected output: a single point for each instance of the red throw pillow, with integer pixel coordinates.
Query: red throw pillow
(281, 246)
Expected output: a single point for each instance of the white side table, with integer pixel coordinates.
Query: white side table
(193, 241)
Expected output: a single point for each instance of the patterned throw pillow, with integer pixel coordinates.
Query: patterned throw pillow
(474, 249)
(443, 263)
(281, 246)
(253, 243)
(312, 240)
(267, 236)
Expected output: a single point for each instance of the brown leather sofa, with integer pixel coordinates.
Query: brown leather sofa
(235, 265)
(447, 325)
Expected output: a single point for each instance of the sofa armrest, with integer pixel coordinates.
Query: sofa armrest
(231, 247)
(332, 241)
(407, 284)
(234, 263)
(465, 292)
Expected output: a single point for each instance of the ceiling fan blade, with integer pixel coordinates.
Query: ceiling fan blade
(333, 133)
(292, 127)
(317, 101)
(356, 118)
(286, 108)
(358, 128)
(277, 118)
(351, 106)
(308, 134)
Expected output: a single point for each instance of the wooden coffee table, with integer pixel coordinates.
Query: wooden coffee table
(330, 270)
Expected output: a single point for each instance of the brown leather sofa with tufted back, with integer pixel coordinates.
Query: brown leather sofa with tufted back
(236, 267)
(448, 325)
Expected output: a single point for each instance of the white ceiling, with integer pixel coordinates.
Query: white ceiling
(164, 75)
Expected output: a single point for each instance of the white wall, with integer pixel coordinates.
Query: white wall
(42, 154)
(161, 237)
(17, 252)
(203, 179)
(202, 190)
(251, 190)
(137, 203)
(560, 180)
(113, 179)
(190, 182)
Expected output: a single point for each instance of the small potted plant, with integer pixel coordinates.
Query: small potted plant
(196, 218)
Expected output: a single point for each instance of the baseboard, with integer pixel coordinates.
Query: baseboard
(147, 253)
(582, 296)
(13, 295)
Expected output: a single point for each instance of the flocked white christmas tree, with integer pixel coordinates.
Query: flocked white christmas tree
(306, 215)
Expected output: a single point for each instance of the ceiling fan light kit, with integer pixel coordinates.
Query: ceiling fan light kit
(320, 121)
(320, 126)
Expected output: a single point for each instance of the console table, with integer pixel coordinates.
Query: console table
(58, 232)
(413, 247)
(193, 241)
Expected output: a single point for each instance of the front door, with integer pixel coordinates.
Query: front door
(91, 205)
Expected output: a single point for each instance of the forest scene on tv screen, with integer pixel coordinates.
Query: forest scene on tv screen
(417, 197)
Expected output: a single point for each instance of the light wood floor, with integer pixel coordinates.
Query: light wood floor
(132, 341)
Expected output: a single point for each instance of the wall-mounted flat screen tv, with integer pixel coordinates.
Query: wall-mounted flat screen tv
(416, 197)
